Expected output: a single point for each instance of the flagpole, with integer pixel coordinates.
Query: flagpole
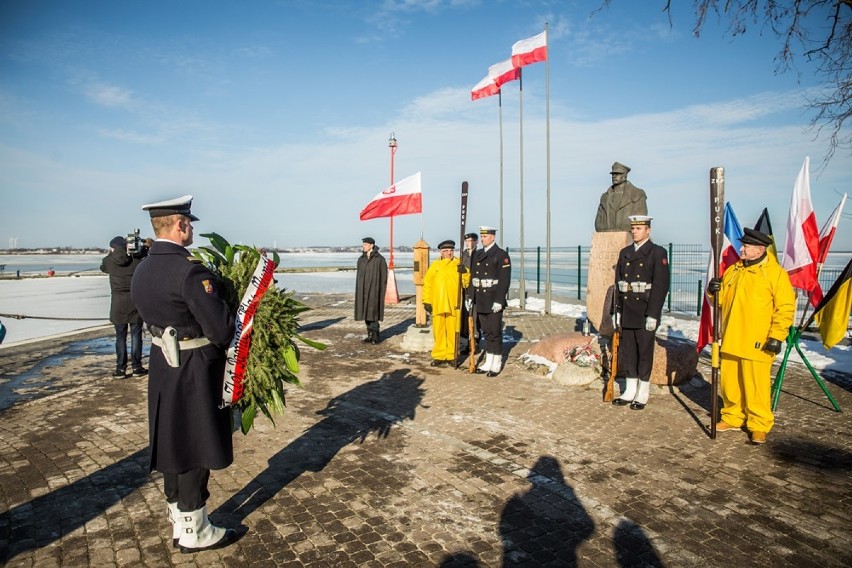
(521, 284)
(547, 288)
(500, 105)
(391, 292)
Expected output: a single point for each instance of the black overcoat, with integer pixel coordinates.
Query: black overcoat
(648, 264)
(187, 428)
(492, 264)
(371, 282)
(120, 267)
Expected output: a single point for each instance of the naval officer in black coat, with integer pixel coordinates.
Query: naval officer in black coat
(189, 433)
(642, 283)
(491, 273)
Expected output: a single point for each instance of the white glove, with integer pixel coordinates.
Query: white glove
(468, 303)
(623, 286)
(616, 319)
(650, 324)
(496, 307)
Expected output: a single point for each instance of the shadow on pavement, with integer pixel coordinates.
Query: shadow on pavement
(809, 454)
(633, 549)
(372, 407)
(538, 529)
(322, 324)
(50, 517)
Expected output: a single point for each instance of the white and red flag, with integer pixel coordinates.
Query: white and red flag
(826, 235)
(530, 50)
(402, 198)
(503, 72)
(801, 244)
(730, 254)
(484, 88)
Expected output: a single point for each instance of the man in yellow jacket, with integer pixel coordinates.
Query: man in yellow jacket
(757, 305)
(441, 299)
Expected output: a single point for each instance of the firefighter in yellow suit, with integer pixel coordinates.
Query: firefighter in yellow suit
(441, 299)
(757, 305)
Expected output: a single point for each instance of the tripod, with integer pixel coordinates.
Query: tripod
(793, 341)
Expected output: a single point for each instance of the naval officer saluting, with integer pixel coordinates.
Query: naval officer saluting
(642, 282)
(192, 328)
(491, 272)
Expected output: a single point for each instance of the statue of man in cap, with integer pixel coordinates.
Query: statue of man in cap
(619, 201)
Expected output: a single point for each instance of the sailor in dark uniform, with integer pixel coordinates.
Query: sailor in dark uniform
(470, 242)
(191, 328)
(642, 283)
(491, 273)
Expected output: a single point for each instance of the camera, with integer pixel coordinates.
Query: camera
(134, 243)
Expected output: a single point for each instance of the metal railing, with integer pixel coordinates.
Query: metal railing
(687, 266)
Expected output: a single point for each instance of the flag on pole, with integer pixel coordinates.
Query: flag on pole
(530, 50)
(801, 244)
(832, 313)
(503, 72)
(402, 198)
(484, 88)
(764, 226)
(826, 235)
(731, 244)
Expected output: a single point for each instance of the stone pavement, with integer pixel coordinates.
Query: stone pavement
(382, 460)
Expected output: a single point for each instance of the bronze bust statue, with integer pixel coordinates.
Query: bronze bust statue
(619, 201)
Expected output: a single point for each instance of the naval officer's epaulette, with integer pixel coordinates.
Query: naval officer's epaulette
(194, 259)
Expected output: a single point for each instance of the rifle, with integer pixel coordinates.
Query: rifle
(613, 366)
(717, 207)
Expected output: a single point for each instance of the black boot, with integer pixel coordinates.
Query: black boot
(374, 337)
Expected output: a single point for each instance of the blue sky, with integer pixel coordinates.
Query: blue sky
(276, 117)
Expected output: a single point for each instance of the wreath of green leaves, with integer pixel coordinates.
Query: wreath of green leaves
(274, 356)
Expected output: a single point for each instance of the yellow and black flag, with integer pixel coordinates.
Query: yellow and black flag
(764, 226)
(832, 313)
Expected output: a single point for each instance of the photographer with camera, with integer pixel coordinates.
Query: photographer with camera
(124, 256)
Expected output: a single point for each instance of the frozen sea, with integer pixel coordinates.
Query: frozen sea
(77, 298)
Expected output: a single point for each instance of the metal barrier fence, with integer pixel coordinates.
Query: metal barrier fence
(687, 265)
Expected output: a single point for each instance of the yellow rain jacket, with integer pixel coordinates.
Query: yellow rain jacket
(441, 286)
(757, 303)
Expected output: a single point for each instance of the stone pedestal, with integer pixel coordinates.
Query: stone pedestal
(601, 277)
(675, 362)
(418, 339)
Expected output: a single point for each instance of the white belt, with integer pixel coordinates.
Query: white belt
(185, 344)
(484, 282)
(636, 287)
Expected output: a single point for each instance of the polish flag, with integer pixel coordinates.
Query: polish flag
(730, 254)
(503, 72)
(530, 50)
(801, 244)
(484, 88)
(826, 235)
(402, 198)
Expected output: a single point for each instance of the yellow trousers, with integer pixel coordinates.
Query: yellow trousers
(746, 396)
(444, 328)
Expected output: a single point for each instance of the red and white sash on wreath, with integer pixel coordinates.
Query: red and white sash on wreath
(238, 351)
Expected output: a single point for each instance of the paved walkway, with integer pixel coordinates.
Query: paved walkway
(382, 460)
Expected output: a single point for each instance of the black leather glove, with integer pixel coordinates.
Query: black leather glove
(428, 307)
(461, 268)
(772, 345)
(714, 285)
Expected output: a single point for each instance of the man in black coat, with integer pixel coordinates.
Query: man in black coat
(470, 242)
(491, 273)
(371, 282)
(642, 283)
(120, 265)
(192, 328)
